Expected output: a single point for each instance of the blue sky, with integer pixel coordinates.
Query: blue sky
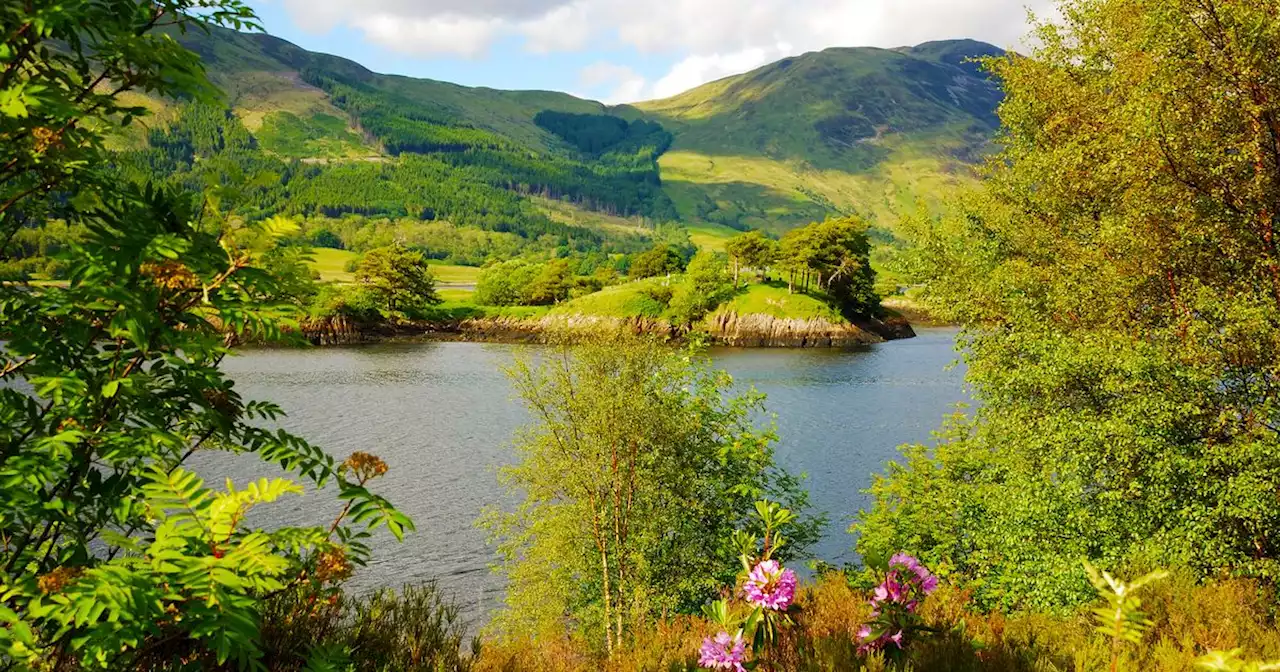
(620, 50)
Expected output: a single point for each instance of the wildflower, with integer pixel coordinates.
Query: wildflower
(723, 652)
(869, 644)
(770, 586)
(170, 275)
(332, 566)
(365, 466)
(57, 580)
(927, 581)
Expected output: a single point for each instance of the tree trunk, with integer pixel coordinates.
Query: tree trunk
(604, 573)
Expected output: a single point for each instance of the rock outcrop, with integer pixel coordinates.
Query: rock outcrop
(748, 331)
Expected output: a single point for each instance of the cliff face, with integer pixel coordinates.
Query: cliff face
(751, 331)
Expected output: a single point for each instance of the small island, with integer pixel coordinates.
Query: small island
(812, 288)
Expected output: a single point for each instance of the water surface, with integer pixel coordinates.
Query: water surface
(443, 414)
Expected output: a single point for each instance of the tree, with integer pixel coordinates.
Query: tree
(705, 286)
(1118, 279)
(660, 259)
(833, 256)
(400, 277)
(550, 285)
(753, 250)
(635, 472)
(116, 555)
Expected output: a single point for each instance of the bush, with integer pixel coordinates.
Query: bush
(415, 629)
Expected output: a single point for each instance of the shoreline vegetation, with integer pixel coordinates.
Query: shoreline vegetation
(728, 329)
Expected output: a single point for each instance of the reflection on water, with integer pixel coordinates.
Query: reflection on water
(442, 415)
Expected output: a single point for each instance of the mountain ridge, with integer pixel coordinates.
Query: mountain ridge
(843, 130)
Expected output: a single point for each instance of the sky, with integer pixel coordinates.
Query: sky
(620, 51)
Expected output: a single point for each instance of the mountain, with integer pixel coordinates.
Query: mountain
(872, 131)
(863, 129)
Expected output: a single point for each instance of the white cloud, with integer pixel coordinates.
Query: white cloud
(460, 35)
(624, 85)
(566, 28)
(696, 70)
(711, 37)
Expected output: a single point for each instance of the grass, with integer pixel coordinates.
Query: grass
(1188, 618)
(776, 195)
(568, 213)
(451, 274)
(773, 299)
(623, 301)
(454, 295)
(710, 236)
(634, 299)
(331, 264)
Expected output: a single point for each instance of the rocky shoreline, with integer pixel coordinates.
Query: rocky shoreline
(730, 329)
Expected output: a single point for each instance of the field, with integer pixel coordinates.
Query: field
(626, 300)
(331, 264)
(710, 236)
(773, 299)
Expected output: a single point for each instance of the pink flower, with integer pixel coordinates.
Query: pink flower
(723, 652)
(926, 580)
(770, 586)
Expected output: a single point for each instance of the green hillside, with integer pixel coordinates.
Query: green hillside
(876, 132)
(872, 131)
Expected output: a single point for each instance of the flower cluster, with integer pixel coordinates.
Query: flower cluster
(769, 586)
(364, 466)
(723, 652)
(894, 603)
(57, 580)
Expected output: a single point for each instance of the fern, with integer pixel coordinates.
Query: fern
(1122, 619)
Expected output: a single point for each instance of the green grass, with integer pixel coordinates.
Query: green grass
(464, 309)
(450, 274)
(331, 264)
(455, 295)
(710, 236)
(773, 299)
(568, 213)
(631, 300)
(625, 300)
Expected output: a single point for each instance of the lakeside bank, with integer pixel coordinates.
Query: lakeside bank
(721, 328)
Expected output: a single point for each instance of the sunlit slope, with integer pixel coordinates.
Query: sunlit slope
(873, 131)
(265, 82)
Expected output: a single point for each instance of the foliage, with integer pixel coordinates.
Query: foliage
(752, 250)
(521, 283)
(400, 279)
(1229, 661)
(1117, 280)
(1234, 617)
(601, 134)
(833, 257)
(661, 259)
(115, 554)
(1122, 619)
(413, 629)
(636, 472)
(705, 286)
